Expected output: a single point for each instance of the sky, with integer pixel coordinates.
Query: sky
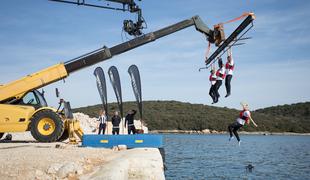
(271, 69)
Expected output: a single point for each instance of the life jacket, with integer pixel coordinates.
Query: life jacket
(212, 78)
(220, 73)
(242, 116)
(230, 67)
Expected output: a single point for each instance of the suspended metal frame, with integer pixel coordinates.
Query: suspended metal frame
(232, 40)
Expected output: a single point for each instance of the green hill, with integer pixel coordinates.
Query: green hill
(174, 115)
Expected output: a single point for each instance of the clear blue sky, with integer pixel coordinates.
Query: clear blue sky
(271, 69)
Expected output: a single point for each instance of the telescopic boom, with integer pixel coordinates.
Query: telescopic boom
(107, 53)
(17, 89)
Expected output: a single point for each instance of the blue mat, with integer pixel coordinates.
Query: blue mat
(131, 141)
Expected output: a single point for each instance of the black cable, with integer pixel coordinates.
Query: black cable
(90, 5)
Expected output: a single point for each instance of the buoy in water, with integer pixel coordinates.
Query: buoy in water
(249, 168)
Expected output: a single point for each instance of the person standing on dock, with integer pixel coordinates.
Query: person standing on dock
(220, 76)
(102, 120)
(129, 120)
(212, 79)
(116, 119)
(230, 65)
(244, 117)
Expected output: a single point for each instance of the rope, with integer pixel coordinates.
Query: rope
(208, 50)
(245, 14)
(229, 51)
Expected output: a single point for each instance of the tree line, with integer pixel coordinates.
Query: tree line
(174, 115)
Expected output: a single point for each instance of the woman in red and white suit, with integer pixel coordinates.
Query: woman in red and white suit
(220, 76)
(230, 65)
(212, 79)
(244, 117)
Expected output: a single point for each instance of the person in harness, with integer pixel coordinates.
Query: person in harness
(230, 65)
(244, 117)
(129, 120)
(220, 76)
(212, 79)
(116, 119)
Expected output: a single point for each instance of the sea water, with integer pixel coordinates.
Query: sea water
(214, 157)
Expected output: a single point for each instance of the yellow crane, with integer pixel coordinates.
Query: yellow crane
(24, 108)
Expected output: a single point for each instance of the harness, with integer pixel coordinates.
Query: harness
(242, 116)
(230, 67)
(219, 74)
(212, 77)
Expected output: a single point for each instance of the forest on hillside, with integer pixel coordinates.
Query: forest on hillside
(174, 115)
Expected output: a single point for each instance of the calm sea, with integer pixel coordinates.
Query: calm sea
(214, 157)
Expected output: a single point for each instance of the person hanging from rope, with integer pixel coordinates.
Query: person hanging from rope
(230, 65)
(220, 76)
(212, 79)
(244, 117)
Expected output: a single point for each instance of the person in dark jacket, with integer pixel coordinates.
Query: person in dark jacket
(129, 120)
(116, 119)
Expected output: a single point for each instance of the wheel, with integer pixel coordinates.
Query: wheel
(8, 137)
(64, 136)
(46, 126)
(1, 134)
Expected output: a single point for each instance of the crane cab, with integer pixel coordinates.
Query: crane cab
(33, 98)
(31, 113)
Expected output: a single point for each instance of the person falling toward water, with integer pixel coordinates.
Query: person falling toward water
(220, 76)
(116, 119)
(102, 121)
(230, 65)
(244, 117)
(129, 120)
(212, 79)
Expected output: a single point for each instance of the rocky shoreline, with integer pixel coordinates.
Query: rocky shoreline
(56, 161)
(24, 158)
(208, 131)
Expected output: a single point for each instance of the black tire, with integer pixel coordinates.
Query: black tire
(1, 134)
(54, 118)
(64, 136)
(8, 137)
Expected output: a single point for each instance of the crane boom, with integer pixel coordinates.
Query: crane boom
(106, 53)
(18, 88)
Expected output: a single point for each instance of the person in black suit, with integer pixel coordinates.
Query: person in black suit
(116, 119)
(129, 120)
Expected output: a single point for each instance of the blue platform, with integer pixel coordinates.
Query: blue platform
(131, 141)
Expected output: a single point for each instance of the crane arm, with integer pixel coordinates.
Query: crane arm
(17, 89)
(107, 53)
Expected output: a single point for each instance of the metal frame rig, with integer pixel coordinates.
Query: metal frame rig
(233, 40)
